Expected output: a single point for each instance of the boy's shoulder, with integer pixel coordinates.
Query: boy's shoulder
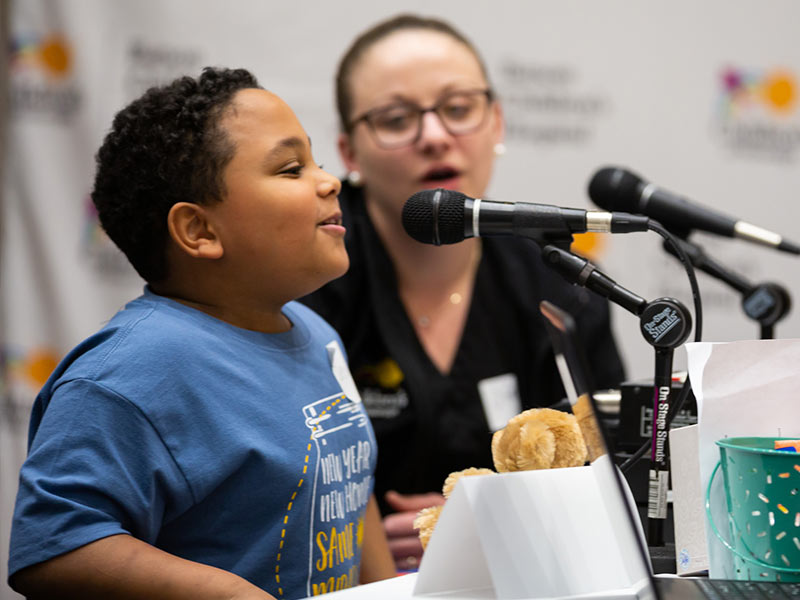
(156, 347)
(154, 333)
(145, 330)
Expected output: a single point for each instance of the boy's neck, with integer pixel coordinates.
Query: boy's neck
(238, 314)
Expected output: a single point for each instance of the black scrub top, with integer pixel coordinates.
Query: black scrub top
(429, 424)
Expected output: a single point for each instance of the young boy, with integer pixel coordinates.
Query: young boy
(209, 441)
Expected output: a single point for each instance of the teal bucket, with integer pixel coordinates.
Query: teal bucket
(761, 493)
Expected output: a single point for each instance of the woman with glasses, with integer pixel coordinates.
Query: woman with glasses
(445, 342)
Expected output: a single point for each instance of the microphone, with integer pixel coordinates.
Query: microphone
(614, 188)
(447, 217)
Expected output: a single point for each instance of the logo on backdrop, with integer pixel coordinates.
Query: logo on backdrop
(757, 113)
(547, 104)
(24, 372)
(41, 68)
(148, 64)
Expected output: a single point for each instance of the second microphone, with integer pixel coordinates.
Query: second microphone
(447, 217)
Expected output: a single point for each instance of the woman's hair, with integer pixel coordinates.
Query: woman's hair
(165, 147)
(375, 34)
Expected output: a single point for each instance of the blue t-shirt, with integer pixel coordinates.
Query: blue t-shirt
(229, 447)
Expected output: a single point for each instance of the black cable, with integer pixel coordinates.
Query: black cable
(634, 458)
(673, 410)
(698, 333)
(687, 265)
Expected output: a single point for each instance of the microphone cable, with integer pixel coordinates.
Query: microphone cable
(670, 239)
(698, 334)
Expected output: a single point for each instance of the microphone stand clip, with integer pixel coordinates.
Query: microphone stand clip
(766, 303)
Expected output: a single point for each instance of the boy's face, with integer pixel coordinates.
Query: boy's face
(279, 222)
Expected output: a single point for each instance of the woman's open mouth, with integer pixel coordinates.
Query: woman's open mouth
(440, 177)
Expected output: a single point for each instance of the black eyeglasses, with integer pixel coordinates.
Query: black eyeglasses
(400, 124)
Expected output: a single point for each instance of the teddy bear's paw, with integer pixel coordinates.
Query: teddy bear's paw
(425, 523)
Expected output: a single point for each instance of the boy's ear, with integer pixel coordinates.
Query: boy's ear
(193, 232)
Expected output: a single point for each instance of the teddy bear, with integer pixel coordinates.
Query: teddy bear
(538, 438)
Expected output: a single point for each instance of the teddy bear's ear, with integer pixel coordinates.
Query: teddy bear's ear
(534, 448)
(539, 438)
(570, 446)
(526, 444)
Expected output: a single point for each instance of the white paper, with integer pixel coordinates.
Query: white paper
(396, 588)
(532, 534)
(342, 372)
(746, 388)
(688, 502)
(500, 399)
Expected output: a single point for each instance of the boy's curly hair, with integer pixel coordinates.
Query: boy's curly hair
(164, 147)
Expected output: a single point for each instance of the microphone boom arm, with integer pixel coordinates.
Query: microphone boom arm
(665, 324)
(765, 303)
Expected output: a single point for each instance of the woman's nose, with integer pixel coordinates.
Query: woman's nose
(433, 130)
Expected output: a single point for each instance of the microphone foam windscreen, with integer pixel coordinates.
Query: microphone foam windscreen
(435, 216)
(612, 188)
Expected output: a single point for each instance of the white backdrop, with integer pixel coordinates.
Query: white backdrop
(640, 84)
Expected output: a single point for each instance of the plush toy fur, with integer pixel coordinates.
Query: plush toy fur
(539, 438)
(425, 522)
(451, 480)
(427, 517)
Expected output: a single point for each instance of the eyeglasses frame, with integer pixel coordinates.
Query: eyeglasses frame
(367, 116)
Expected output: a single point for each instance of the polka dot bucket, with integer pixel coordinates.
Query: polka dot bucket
(761, 492)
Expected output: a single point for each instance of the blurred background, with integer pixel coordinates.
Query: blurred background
(698, 97)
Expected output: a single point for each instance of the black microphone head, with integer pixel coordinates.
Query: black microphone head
(614, 188)
(435, 216)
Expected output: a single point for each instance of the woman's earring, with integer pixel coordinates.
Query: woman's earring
(354, 177)
(499, 149)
